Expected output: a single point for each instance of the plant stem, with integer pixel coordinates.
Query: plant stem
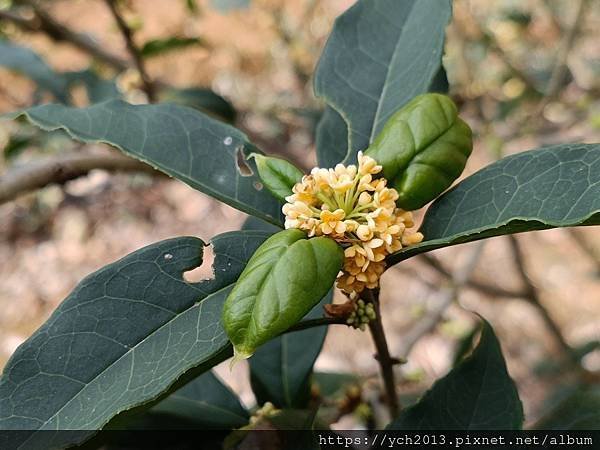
(386, 362)
(311, 323)
(133, 50)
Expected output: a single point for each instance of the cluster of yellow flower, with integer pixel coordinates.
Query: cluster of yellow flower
(357, 210)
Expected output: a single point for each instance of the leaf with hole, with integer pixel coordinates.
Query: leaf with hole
(282, 282)
(423, 148)
(478, 394)
(380, 54)
(556, 186)
(184, 143)
(122, 338)
(278, 175)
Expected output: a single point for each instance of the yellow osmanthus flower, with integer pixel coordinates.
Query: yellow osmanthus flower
(359, 211)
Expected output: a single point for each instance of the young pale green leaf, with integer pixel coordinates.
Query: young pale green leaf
(423, 148)
(281, 369)
(278, 175)
(478, 394)
(25, 61)
(362, 73)
(556, 186)
(282, 282)
(121, 339)
(205, 153)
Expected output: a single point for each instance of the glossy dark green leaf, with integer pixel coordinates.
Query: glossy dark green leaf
(283, 281)
(556, 186)
(27, 62)
(579, 409)
(254, 223)
(123, 336)
(281, 369)
(205, 100)
(278, 175)
(204, 403)
(423, 148)
(381, 54)
(158, 47)
(478, 394)
(331, 138)
(203, 152)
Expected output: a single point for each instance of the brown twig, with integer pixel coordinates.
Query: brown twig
(560, 67)
(445, 297)
(133, 50)
(485, 288)
(62, 169)
(386, 362)
(533, 298)
(42, 22)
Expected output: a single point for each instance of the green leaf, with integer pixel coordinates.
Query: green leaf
(331, 138)
(423, 148)
(25, 61)
(225, 6)
(579, 410)
(556, 186)
(254, 223)
(204, 403)
(278, 175)
(98, 89)
(280, 370)
(282, 282)
(205, 153)
(381, 54)
(478, 394)
(202, 99)
(158, 47)
(122, 338)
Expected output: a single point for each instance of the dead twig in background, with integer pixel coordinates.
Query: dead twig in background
(533, 298)
(485, 288)
(62, 169)
(42, 22)
(444, 298)
(135, 53)
(560, 67)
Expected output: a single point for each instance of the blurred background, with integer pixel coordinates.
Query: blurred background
(525, 74)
